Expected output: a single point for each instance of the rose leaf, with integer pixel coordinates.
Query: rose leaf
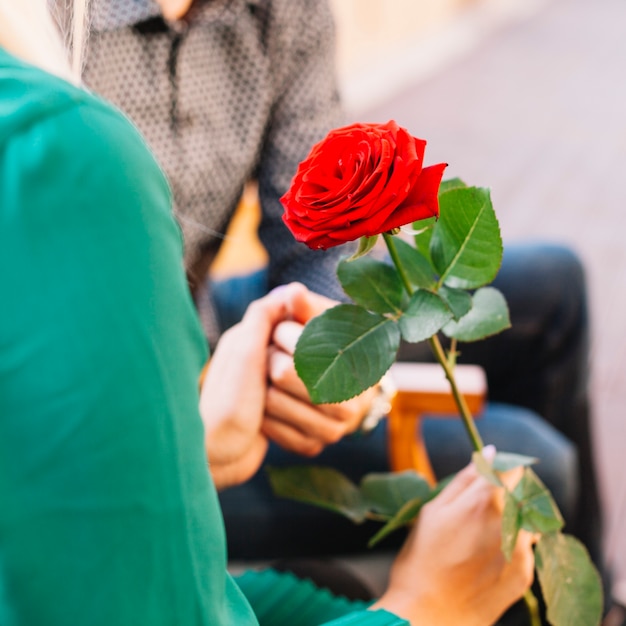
(570, 583)
(511, 524)
(387, 493)
(505, 461)
(320, 486)
(459, 301)
(538, 510)
(344, 351)
(466, 246)
(451, 183)
(366, 244)
(425, 315)
(415, 265)
(372, 284)
(488, 316)
(403, 517)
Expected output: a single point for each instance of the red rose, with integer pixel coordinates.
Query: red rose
(361, 180)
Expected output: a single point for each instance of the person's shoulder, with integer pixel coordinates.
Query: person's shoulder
(29, 95)
(32, 98)
(44, 113)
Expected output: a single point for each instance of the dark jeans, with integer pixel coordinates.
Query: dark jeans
(539, 367)
(542, 361)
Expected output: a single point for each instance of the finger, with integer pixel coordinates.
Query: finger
(511, 477)
(282, 373)
(266, 312)
(286, 335)
(304, 304)
(518, 574)
(290, 438)
(458, 484)
(241, 469)
(303, 416)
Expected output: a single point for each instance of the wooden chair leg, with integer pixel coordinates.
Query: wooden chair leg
(422, 389)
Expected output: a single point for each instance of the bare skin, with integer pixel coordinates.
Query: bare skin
(252, 394)
(457, 542)
(174, 9)
(451, 569)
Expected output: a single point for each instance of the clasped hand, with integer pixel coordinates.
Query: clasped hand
(252, 393)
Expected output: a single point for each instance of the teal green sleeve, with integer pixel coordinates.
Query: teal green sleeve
(281, 599)
(108, 515)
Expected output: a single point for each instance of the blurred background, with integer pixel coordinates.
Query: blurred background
(527, 97)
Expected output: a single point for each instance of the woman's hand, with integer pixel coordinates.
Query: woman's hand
(232, 401)
(451, 570)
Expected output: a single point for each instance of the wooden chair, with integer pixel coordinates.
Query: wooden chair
(422, 389)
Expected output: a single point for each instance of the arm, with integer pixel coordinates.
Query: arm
(108, 513)
(301, 47)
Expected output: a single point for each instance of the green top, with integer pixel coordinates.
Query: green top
(108, 514)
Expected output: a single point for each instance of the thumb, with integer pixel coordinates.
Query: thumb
(304, 304)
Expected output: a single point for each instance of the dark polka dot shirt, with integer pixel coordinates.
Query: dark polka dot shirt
(238, 90)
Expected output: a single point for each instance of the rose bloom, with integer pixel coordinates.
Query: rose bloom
(360, 181)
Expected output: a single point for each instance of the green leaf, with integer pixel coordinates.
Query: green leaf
(409, 512)
(372, 284)
(571, 586)
(344, 351)
(423, 235)
(466, 246)
(539, 513)
(488, 316)
(416, 267)
(319, 486)
(365, 245)
(404, 516)
(387, 493)
(459, 301)
(451, 183)
(485, 469)
(506, 461)
(511, 524)
(425, 315)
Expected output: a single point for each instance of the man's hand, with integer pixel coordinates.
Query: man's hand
(292, 420)
(252, 393)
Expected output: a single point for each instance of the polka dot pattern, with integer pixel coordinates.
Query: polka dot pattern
(240, 90)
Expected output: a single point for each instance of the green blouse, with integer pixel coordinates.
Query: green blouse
(108, 514)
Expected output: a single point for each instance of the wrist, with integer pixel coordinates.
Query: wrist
(379, 408)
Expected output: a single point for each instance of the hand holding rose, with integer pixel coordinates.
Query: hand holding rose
(451, 569)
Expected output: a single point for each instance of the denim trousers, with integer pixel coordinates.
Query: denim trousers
(537, 373)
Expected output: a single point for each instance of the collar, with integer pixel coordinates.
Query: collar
(114, 14)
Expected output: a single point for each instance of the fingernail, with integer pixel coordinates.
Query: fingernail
(489, 452)
(277, 291)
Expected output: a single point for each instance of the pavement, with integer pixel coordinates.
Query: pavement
(536, 110)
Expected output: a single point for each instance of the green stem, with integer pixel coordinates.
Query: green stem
(466, 415)
(468, 421)
(393, 253)
(533, 608)
(435, 345)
